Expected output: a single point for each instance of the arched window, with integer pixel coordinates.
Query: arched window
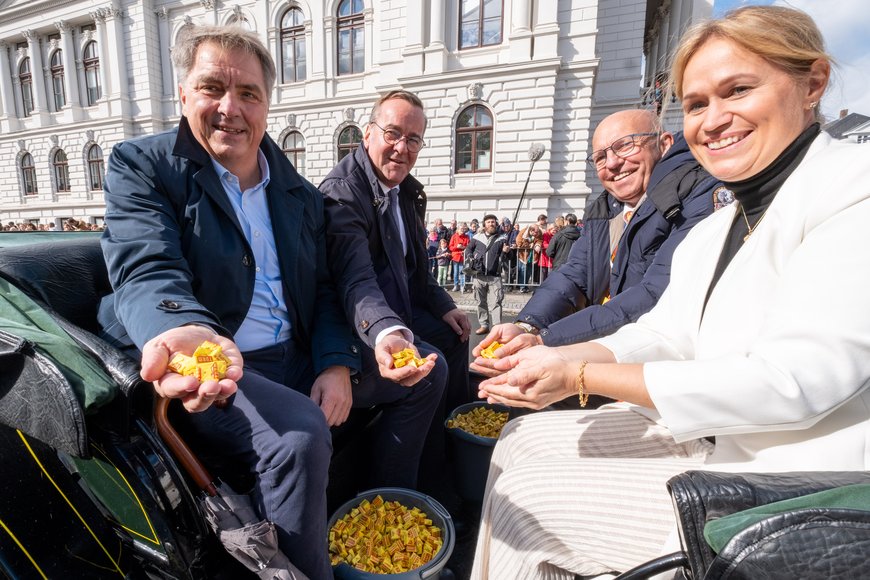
(25, 79)
(91, 62)
(294, 148)
(56, 64)
(96, 169)
(61, 170)
(351, 37)
(28, 174)
(474, 140)
(480, 23)
(348, 141)
(293, 55)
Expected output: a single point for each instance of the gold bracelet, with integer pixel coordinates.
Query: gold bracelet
(582, 395)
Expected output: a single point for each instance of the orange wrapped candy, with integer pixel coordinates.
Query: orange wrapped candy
(208, 363)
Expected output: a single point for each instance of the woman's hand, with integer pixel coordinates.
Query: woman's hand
(536, 377)
(513, 340)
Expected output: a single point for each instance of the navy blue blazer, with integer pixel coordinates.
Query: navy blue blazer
(176, 253)
(366, 259)
(568, 306)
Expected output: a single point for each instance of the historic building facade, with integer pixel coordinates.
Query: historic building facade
(78, 76)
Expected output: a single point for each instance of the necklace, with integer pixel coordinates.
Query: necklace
(749, 228)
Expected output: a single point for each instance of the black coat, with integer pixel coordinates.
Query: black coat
(176, 253)
(366, 261)
(568, 306)
(560, 246)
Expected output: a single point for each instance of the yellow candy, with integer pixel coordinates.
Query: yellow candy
(489, 352)
(480, 421)
(208, 363)
(407, 357)
(380, 547)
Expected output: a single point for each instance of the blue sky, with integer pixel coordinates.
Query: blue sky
(845, 25)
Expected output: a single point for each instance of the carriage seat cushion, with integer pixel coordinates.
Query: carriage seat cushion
(68, 276)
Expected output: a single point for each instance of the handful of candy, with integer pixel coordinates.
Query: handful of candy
(208, 363)
(489, 352)
(407, 357)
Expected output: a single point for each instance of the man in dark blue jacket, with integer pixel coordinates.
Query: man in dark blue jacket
(212, 235)
(655, 192)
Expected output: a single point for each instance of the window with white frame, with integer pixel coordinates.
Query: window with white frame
(480, 23)
(28, 174)
(348, 141)
(56, 67)
(294, 148)
(96, 168)
(474, 140)
(351, 37)
(25, 80)
(91, 62)
(293, 53)
(60, 165)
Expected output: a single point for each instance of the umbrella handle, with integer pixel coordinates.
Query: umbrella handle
(180, 449)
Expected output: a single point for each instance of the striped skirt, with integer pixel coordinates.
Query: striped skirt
(579, 492)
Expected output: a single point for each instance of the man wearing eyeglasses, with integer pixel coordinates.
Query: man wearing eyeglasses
(655, 192)
(375, 218)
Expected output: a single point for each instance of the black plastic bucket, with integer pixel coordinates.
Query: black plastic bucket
(411, 499)
(472, 453)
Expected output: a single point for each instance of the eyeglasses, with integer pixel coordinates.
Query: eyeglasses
(391, 137)
(623, 147)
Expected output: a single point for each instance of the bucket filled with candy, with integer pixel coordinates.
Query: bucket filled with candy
(392, 532)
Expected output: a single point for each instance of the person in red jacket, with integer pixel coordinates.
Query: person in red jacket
(458, 243)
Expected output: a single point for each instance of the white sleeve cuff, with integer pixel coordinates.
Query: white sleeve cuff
(409, 336)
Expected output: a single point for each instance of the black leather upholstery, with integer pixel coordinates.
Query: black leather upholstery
(810, 544)
(69, 279)
(69, 276)
(777, 546)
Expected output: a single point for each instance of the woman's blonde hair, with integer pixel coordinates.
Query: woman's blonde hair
(785, 37)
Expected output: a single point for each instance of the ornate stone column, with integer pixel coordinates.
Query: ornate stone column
(436, 50)
(7, 106)
(70, 78)
(36, 71)
(412, 53)
(520, 36)
(100, 21)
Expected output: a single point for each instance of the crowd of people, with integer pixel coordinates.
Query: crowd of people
(693, 327)
(526, 263)
(69, 225)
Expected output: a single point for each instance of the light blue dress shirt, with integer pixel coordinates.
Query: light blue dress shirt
(267, 322)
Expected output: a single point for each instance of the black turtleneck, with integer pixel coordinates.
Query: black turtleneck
(756, 194)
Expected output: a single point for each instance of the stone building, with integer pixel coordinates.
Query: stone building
(78, 76)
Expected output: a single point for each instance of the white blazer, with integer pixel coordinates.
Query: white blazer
(778, 367)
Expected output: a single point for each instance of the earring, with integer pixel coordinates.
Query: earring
(814, 104)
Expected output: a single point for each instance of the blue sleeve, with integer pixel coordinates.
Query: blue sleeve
(600, 320)
(564, 292)
(143, 251)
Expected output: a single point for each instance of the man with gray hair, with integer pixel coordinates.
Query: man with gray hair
(213, 236)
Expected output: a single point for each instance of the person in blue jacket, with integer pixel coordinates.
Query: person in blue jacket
(655, 192)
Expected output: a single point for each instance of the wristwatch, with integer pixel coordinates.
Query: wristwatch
(528, 328)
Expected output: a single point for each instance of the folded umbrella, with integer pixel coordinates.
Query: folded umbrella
(249, 538)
